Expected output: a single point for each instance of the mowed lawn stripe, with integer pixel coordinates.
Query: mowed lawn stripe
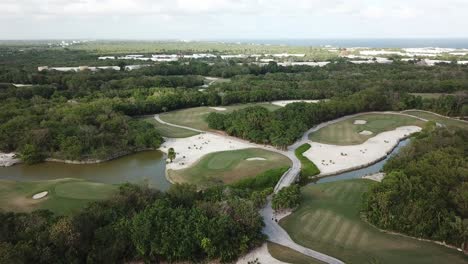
(340, 232)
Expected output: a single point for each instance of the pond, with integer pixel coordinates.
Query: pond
(146, 167)
(364, 171)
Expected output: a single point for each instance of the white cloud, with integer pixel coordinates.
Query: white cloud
(237, 18)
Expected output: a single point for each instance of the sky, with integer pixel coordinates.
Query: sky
(232, 19)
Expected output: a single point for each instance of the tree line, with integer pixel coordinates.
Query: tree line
(139, 224)
(425, 191)
(283, 126)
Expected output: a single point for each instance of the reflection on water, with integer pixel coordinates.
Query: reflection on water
(140, 168)
(364, 171)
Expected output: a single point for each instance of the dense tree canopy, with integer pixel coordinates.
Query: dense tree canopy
(136, 224)
(425, 191)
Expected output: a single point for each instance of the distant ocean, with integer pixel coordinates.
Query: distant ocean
(372, 43)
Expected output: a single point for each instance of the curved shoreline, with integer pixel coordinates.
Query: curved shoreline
(331, 174)
(90, 161)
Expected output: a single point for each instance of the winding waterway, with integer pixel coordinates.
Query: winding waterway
(146, 167)
(367, 170)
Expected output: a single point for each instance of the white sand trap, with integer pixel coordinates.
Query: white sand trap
(219, 108)
(191, 149)
(375, 177)
(255, 158)
(286, 102)
(360, 122)
(8, 159)
(366, 133)
(332, 159)
(40, 195)
(260, 254)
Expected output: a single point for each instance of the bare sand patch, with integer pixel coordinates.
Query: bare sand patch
(375, 177)
(360, 122)
(332, 159)
(366, 133)
(261, 255)
(190, 150)
(255, 158)
(8, 159)
(219, 108)
(40, 195)
(286, 102)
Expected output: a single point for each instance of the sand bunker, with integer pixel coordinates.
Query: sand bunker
(360, 122)
(366, 133)
(375, 177)
(255, 158)
(286, 102)
(40, 195)
(260, 254)
(191, 149)
(332, 159)
(218, 108)
(8, 159)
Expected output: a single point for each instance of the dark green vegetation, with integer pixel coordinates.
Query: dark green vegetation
(137, 224)
(288, 255)
(64, 196)
(308, 168)
(287, 198)
(196, 117)
(283, 126)
(228, 167)
(346, 132)
(268, 179)
(85, 115)
(329, 221)
(425, 192)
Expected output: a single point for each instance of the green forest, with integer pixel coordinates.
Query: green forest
(424, 192)
(140, 224)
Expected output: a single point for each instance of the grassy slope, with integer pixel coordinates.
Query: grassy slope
(169, 131)
(288, 255)
(65, 195)
(195, 117)
(229, 167)
(308, 167)
(328, 220)
(440, 119)
(347, 133)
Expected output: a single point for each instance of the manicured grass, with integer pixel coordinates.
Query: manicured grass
(64, 196)
(308, 167)
(347, 133)
(328, 220)
(267, 179)
(288, 255)
(440, 119)
(195, 117)
(228, 167)
(169, 131)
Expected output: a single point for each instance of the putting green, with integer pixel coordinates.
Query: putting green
(169, 131)
(328, 220)
(346, 132)
(195, 117)
(64, 196)
(228, 167)
(447, 121)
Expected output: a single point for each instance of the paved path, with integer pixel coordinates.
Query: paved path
(272, 229)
